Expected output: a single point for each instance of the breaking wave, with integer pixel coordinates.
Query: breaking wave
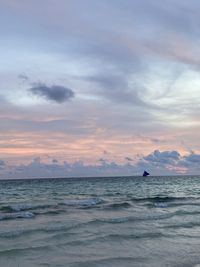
(83, 202)
(10, 216)
(24, 207)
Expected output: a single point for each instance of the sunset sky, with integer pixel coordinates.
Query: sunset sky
(94, 88)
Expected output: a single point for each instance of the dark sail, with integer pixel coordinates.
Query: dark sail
(145, 173)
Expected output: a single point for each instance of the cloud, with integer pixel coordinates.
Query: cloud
(133, 66)
(193, 158)
(114, 86)
(128, 159)
(2, 164)
(39, 169)
(163, 162)
(71, 127)
(171, 162)
(55, 93)
(23, 77)
(191, 161)
(157, 163)
(165, 157)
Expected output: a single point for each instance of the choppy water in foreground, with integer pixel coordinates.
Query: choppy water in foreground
(86, 222)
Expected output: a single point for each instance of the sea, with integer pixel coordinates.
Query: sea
(100, 222)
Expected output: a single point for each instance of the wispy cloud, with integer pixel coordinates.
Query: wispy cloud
(23, 77)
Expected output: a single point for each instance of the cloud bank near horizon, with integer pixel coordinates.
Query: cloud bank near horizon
(157, 163)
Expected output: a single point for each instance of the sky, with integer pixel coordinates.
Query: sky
(99, 88)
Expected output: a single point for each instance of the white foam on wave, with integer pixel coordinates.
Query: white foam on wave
(24, 206)
(8, 216)
(20, 207)
(161, 205)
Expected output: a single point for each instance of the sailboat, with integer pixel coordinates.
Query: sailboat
(145, 173)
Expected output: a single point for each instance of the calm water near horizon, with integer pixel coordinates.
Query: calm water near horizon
(114, 222)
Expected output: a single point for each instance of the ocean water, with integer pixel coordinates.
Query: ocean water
(101, 222)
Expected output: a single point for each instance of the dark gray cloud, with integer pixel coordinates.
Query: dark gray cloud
(2, 163)
(165, 157)
(55, 93)
(102, 161)
(191, 161)
(171, 162)
(193, 157)
(165, 162)
(128, 159)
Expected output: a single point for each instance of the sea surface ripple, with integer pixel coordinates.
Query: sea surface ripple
(114, 221)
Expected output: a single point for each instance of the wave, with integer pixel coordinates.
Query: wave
(50, 212)
(10, 216)
(106, 261)
(127, 219)
(115, 238)
(24, 207)
(118, 237)
(111, 238)
(118, 205)
(167, 202)
(16, 251)
(17, 233)
(163, 199)
(25, 210)
(187, 212)
(83, 202)
(182, 225)
(56, 230)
